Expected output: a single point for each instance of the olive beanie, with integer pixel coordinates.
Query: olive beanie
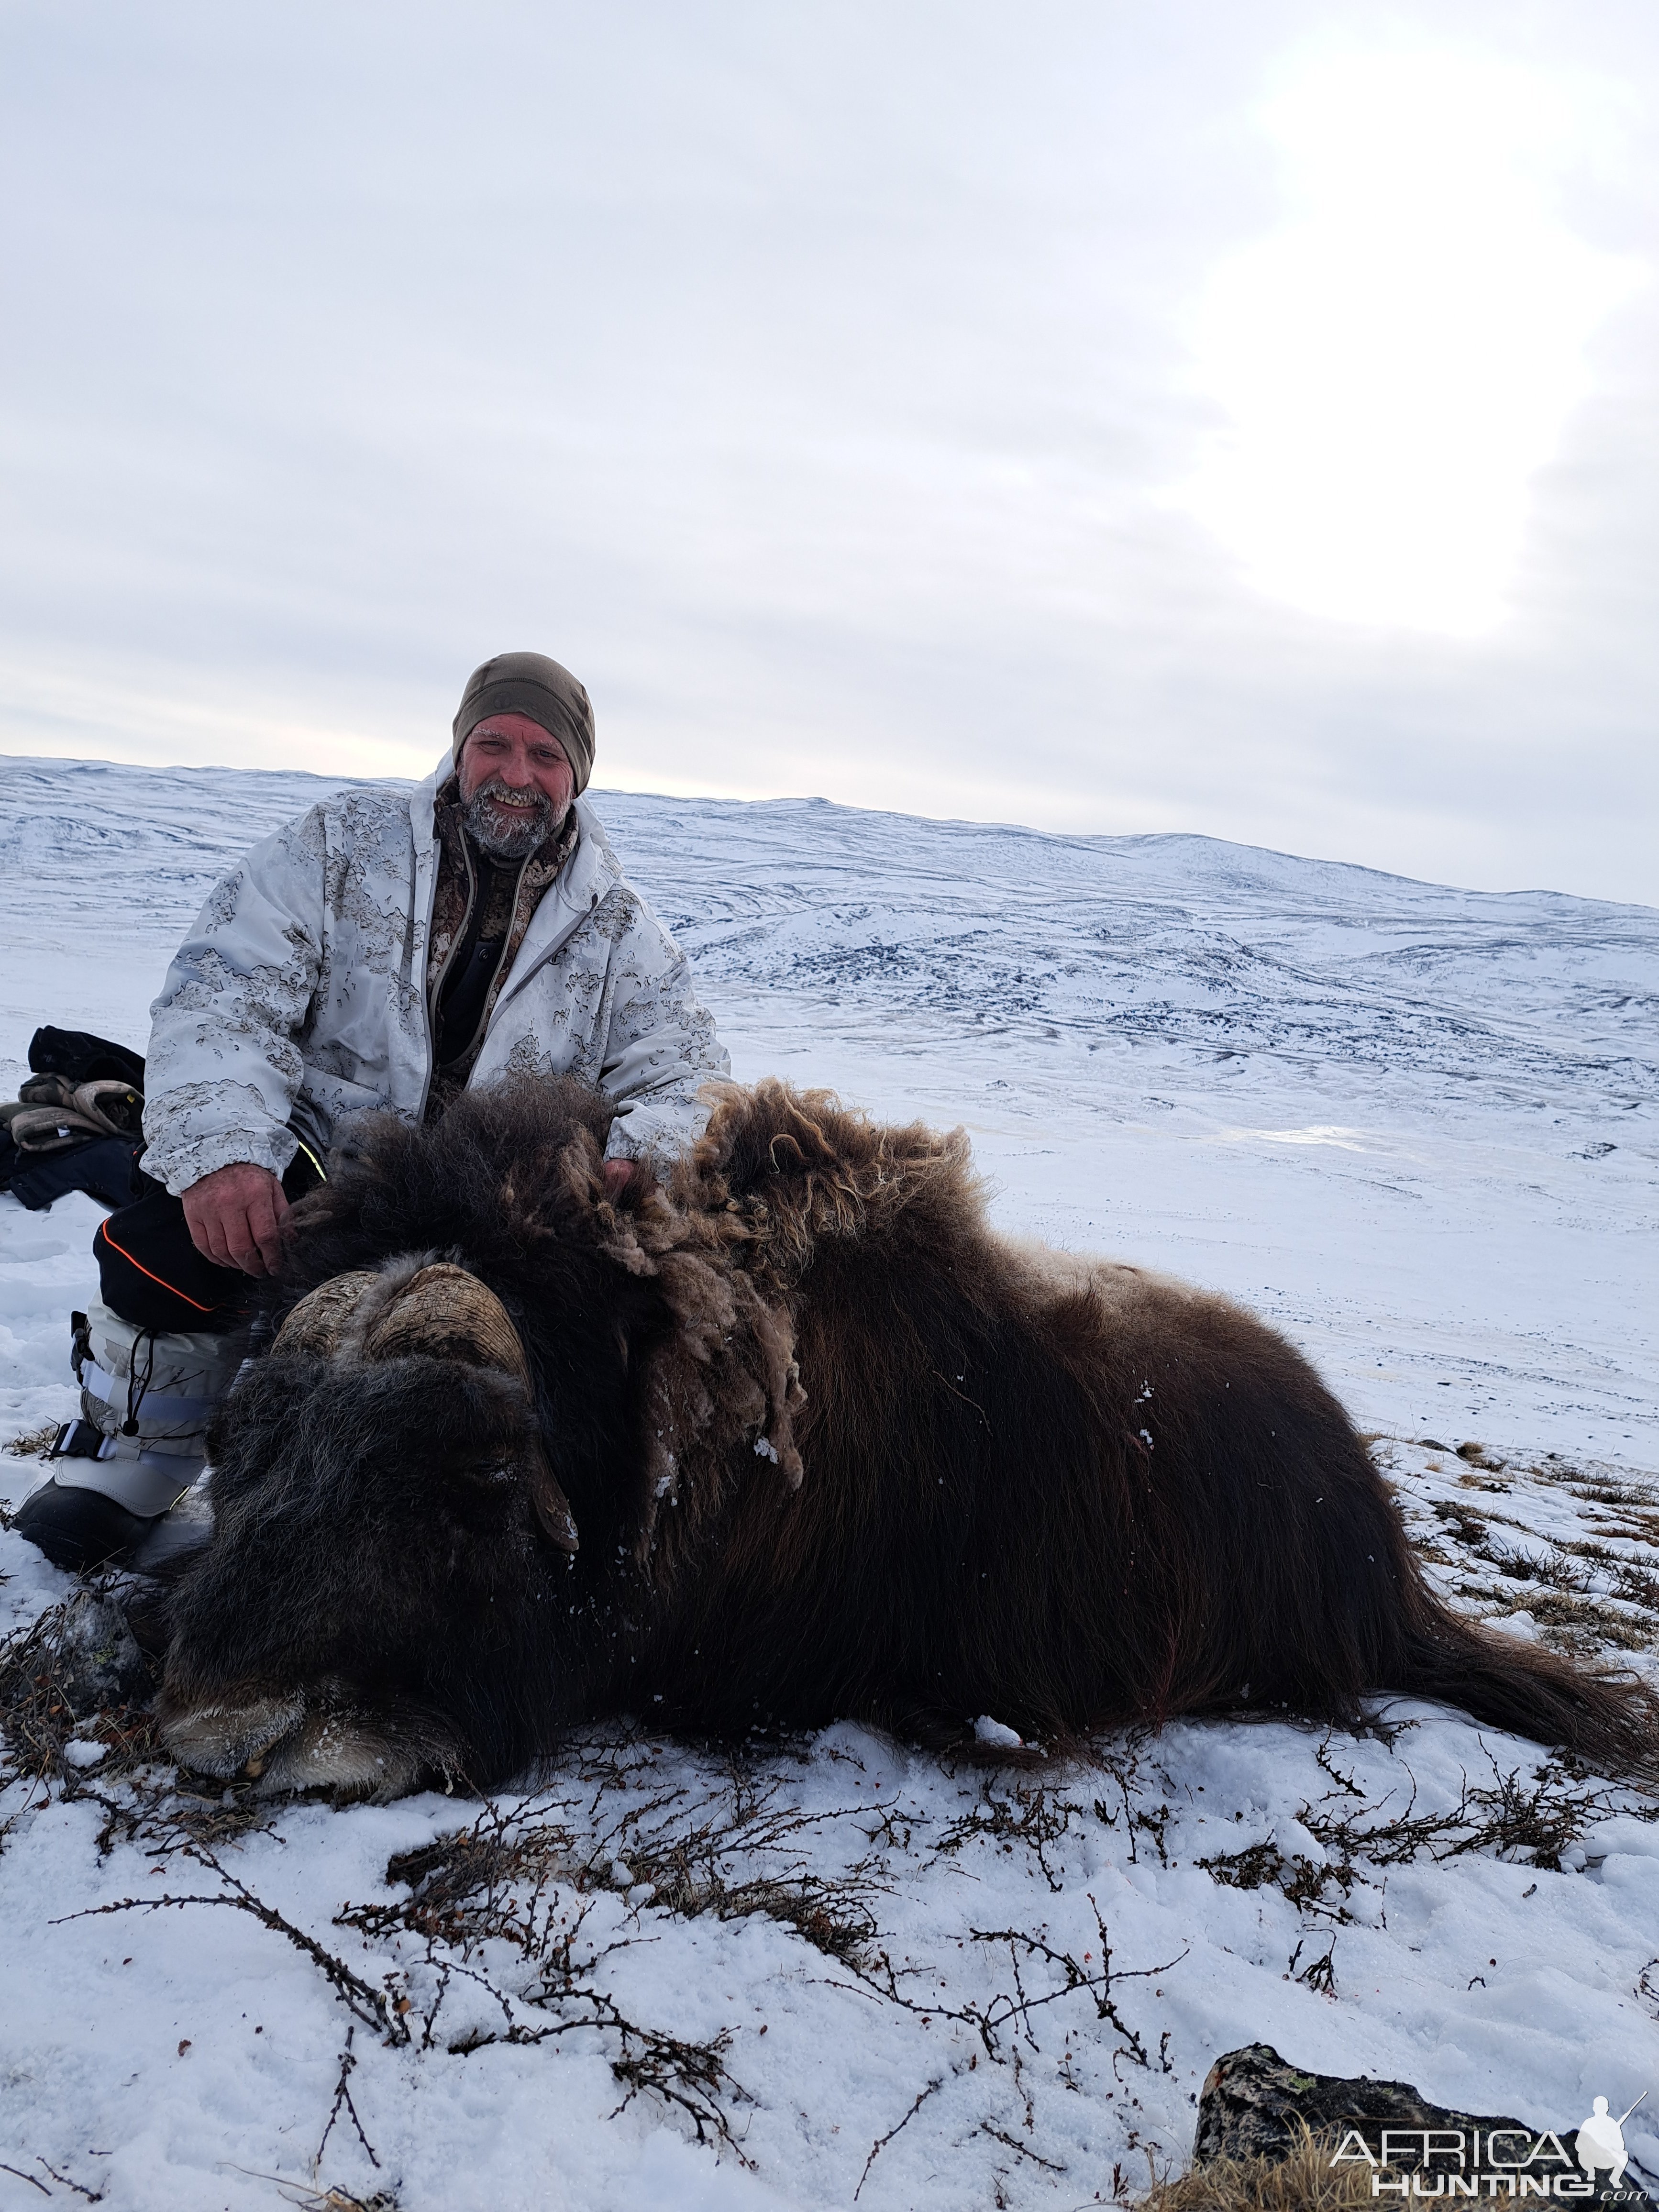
(529, 683)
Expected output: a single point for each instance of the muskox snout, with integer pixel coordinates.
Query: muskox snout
(375, 1481)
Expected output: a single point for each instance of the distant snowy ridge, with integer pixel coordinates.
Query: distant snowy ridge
(1227, 952)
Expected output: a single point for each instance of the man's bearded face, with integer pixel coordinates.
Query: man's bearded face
(508, 824)
(516, 785)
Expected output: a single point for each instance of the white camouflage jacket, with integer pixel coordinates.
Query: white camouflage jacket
(301, 995)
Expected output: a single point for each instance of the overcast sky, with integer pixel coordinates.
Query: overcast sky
(1180, 415)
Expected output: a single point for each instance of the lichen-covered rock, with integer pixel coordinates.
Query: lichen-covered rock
(1252, 2101)
(100, 1664)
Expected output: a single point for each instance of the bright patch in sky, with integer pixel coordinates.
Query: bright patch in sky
(1398, 361)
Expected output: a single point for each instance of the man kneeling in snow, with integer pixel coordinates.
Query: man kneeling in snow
(387, 950)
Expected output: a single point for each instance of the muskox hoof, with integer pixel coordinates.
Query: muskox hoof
(230, 1742)
(355, 1756)
(286, 1745)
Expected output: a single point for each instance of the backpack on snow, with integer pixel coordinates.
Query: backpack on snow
(77, 1123)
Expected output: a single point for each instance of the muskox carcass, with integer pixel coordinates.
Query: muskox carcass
(792, 1435)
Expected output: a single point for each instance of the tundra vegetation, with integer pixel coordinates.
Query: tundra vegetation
(524, 1920)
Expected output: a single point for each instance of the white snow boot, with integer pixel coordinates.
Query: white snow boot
(140, 1445)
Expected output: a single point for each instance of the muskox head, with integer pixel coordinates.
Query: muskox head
(482, 1346)
(385, 1516)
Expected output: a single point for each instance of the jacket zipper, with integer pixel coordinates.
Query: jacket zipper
(430, 997)
(435, 992)
(429, 992)
(550, 951)
(488, 1011)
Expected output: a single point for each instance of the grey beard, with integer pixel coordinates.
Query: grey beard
(515, 840)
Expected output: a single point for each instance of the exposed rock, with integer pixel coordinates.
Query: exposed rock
(1252, 2101)
(99, 1662)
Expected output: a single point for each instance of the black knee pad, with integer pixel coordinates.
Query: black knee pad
(151, 1274)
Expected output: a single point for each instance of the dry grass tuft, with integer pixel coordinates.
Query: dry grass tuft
(35, 1443)
(1304, 2182)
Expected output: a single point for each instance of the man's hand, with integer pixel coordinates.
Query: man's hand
(617, 1176)
(235, 1216)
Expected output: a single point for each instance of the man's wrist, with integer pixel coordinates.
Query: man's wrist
(231, 1168)
(182, 1165)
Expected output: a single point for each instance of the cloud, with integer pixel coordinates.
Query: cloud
(812, 382)
(1399, 360)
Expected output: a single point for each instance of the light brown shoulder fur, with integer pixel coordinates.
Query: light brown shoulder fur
(790, 1170)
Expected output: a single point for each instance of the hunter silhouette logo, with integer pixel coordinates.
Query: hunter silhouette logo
(1602, 2140)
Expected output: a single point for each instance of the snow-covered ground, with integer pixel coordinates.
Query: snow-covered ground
(1413, 1126)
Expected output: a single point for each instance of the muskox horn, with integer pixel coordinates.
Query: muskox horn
(315, 1324)
(552, 1506)
(444, 1312)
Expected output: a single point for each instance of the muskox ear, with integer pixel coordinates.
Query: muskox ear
(552, 1506)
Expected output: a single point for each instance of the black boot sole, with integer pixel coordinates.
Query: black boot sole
(80, 1530)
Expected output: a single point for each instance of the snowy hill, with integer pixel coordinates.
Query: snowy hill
(1283, 1077)
(1417, 1128)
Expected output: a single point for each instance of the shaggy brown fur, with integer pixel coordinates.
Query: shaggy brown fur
(834, 1448)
